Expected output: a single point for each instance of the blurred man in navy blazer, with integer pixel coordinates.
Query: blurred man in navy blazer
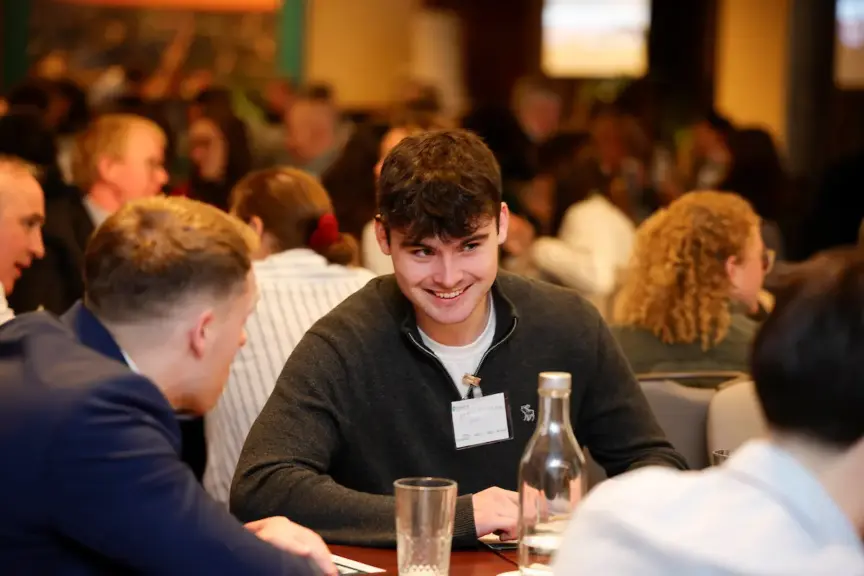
(93, 482)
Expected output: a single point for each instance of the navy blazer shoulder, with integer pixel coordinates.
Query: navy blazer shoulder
(91, 482)
(93, 334)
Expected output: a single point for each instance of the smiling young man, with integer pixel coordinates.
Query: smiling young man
(376, 390)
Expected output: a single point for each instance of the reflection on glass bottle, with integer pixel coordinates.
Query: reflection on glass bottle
(551, 477)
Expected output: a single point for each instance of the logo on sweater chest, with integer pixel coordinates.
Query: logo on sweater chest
(527, 413)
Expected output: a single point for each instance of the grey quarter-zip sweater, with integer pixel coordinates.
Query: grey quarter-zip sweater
(361, 403)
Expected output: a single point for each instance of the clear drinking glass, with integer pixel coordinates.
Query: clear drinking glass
(425, 508)
(718, 457)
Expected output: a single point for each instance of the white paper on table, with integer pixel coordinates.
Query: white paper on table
(353, 566)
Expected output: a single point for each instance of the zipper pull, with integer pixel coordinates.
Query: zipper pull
(472, 382)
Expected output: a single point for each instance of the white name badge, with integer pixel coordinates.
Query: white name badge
(480, 421)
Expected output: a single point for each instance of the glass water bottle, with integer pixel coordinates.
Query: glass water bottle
(551, 477)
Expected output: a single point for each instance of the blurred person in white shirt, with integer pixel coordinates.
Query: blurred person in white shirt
(302, 269)
(791, 503)
(22, 213)
(593, 243)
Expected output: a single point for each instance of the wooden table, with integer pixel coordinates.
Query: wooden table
(482, 562)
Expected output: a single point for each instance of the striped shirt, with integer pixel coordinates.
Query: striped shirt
(296, 287)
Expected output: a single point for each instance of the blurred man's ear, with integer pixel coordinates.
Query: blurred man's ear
(258, 226)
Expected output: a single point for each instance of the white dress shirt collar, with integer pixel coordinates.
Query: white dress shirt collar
(97, 214)
(6, 313)
(130, 362)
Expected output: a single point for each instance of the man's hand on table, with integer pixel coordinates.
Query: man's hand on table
(496, 511)
(296, 539)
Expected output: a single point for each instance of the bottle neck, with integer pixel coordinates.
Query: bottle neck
(554, 409)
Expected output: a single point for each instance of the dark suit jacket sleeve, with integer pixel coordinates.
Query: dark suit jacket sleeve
(616, 422)
(118, 487)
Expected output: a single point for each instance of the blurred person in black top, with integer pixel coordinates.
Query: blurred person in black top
(350, 180)
(220, 156)
(22, 213)
(756, 173)
(711, 155)
(53, 282)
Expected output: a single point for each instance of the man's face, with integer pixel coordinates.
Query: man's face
(140, 173)
(447, 282)
(310, 129)
(22, 212)
(225, 334)
(540, 115)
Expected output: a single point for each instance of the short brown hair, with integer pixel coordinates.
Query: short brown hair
(677, 286)
(439, 184)
(107, 135)
(157, 253)
(290, 204)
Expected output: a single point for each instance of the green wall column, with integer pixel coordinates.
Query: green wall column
(14, 30)
(291, 36)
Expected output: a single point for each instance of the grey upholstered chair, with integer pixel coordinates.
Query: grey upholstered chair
(734, 417)
(681, 411)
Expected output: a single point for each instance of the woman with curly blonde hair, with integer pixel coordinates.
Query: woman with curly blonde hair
(696, 271)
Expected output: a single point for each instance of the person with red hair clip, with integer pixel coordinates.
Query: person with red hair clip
(304, 269)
